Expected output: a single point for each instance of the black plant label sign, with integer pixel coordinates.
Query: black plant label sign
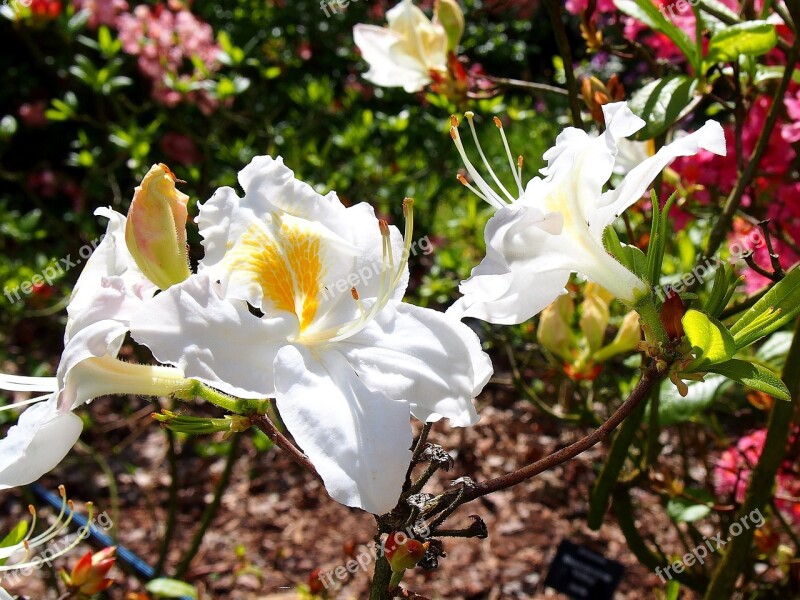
(583, 574)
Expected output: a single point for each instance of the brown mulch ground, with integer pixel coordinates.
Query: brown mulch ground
(277, 524)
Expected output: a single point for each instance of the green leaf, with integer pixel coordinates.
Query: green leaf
(674, 408)
(777, 308)
(646, 12)
(673, 590)
(14, 537)
(754, 376)
(170, 588)
(661, 102)
(631, 257)
(753, 38)
(658, 237)
(710, 338)
(687, 510)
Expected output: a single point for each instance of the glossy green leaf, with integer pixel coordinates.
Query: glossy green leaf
(754, 376)
(752, 38)
(647, 12)
(709, 338)
(776, 309)
(661, 102)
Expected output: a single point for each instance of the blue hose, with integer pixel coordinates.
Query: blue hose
(140, 568)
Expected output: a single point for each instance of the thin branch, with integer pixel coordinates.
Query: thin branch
(281, 441)
(528, 85)
(720, 229)
(649, 379)
(554, 9)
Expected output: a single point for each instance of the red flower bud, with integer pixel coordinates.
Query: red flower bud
(403, 552)
(672, 312)
(88, 576)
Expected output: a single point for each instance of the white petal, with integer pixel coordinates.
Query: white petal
(270, 187)
(216, 341)
(110, 259)
(37, 443)
(357, 439)
(4, 595)
(709, 137)
(376, 45)
(580, 165)
(528, 294)
(431, 360)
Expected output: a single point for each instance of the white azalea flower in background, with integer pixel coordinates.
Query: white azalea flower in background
(332, 342)
(107, 291)
(404, 53)
(554, 226)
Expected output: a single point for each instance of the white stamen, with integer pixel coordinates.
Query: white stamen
(517, 177)
(390, 277)
(25, 402)
(497, 182)
(489, 195)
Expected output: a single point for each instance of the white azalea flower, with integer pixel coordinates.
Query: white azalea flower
(404, 53)
(346, 360)
(107, 291)
(554, 226)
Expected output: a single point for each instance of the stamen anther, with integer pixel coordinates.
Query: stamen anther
(498, 123)
(453, 121)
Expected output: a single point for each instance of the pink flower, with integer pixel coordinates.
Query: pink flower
(101, 12)
(791, 130)
(576, 7)
(32, 113)
(732, 473)
(166, 41)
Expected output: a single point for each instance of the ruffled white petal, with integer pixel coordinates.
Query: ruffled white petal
(709, 137)
(424, 357)
(214, 340)
(357, 439)
(37, 443)
(270, 187)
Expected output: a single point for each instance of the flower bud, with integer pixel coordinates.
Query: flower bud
(554, 332)
(403, 552)
(595, 316)
(672, 312)
(450, 16)
(88, 576)
(156, 228)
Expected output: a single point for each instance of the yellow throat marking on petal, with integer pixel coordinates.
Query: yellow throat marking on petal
(287, 267)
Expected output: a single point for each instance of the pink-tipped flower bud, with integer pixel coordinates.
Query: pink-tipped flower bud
(156, 228)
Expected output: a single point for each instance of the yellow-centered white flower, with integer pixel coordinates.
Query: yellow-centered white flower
(299, 298)
(553, 226)
(109, 288)
(403, 53)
